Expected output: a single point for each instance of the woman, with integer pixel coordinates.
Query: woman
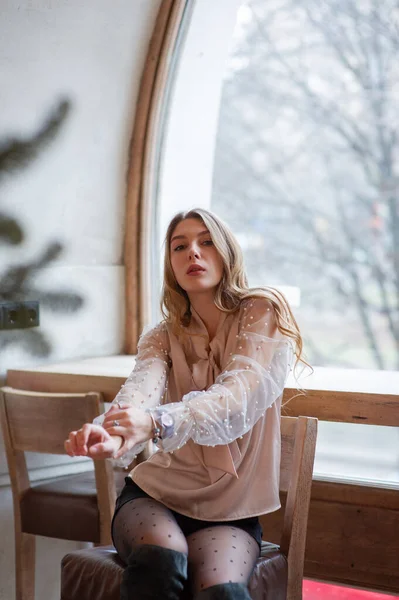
(206, 388)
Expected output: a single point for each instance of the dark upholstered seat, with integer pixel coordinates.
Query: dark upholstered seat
(96, 574)
(65, 508)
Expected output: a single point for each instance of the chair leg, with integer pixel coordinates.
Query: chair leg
(25, 546)
(105, 537)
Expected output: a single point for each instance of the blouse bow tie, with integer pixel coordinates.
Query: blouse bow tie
(203, 369)
(218, 459)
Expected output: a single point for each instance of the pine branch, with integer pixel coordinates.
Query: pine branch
(17, 154)
(11, 232)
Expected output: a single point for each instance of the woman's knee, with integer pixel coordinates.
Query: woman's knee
(174, 540)
(221, 555)
(146, 522)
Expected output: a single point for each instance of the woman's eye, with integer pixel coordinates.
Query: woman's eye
(207, 243)
(178, 248)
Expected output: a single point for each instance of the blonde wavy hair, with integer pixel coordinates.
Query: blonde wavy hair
(232, 288)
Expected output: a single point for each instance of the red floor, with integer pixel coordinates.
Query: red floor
(313, 590)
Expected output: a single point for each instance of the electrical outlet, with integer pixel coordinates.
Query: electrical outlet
(19, 315)
(31, 313)
(12, 316)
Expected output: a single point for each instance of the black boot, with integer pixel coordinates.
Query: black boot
(224, 591)
(154, 572)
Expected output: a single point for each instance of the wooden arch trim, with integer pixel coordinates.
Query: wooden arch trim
(141, 172)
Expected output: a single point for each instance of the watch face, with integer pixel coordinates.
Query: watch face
(167, 420)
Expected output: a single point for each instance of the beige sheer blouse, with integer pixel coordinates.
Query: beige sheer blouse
(223, 460)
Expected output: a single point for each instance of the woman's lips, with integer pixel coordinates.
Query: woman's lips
(196, 272)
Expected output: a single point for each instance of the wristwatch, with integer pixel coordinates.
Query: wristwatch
(166, 423)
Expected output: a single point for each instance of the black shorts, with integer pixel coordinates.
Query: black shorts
(188, 525)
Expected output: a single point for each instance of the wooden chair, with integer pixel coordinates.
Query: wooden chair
(77, 507)
(289, 524)
(279, 571)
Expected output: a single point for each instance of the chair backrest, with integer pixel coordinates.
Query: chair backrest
(41, 422)
(298, 445)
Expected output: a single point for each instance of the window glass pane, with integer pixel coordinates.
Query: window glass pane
(302, 163)
(363, 454)
(306, 168)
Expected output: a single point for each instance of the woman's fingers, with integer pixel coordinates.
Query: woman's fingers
(83, 436)
(118, 429)
(100, 450)
(123, 427)
(111, 419)
(105, 449)
(123, 449)
(78, 442)
(70, 444)
(68, 447)
(119, 411)
(133, 424)
(120, 405)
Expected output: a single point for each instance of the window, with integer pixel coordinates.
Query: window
(306, 167)
(281, 119)
(306, 172)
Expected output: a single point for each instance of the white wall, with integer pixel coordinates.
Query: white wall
(93, 53)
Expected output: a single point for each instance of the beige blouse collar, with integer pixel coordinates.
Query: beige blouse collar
(197, 325)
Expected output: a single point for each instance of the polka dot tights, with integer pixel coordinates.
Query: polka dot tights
(146, 521)
(217, 554)
(220, 554)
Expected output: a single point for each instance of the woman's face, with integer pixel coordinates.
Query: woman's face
(195, 261)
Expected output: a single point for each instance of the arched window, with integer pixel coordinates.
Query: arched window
(280, 117)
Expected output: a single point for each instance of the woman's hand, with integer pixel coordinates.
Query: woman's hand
(130, 423)
(123, 427)
(92, 440)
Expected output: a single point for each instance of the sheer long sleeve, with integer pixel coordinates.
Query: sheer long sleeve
(147, 383)
(250, 383)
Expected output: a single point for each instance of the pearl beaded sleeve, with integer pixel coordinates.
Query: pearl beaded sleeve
(249, 384)
(147, 383)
